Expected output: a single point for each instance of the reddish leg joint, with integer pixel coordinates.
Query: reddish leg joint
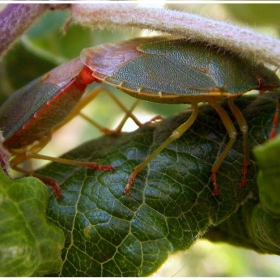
(244, 174)
(50, 182)
(216, 191)
(100, 167)
(130, 181)
(274, 124)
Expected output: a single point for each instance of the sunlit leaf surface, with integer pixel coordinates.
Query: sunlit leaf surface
(29, 244)
(171, 202)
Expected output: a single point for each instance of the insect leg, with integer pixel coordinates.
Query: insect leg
(21, 157)
(33, 154)
(275, 118)
(244, 128)
(177, 133)
(90, 97)
(232, 134)
(44, 179)
(86, 164)
(14, 163)
(121, 124)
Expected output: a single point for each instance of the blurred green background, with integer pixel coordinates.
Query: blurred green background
(46, 45)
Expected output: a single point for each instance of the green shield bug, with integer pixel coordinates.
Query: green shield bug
(166, 69)
(29, 117)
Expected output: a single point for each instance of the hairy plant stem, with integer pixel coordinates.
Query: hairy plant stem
(197, 28)
(15, 20)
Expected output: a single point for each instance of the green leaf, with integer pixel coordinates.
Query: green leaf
(265, 230)
(234, 230)
(254, 14)
(171, 203)
(269, 176)
(251, 227)
(29, 244)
